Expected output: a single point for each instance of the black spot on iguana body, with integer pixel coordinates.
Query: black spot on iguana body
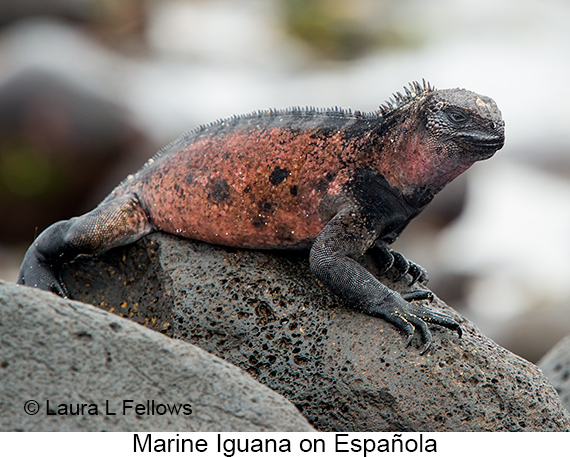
(264, 206)
(219, 190)
(278, 175)
(258, 221)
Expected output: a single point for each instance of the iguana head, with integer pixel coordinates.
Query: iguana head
(431, 136)
(467, 126)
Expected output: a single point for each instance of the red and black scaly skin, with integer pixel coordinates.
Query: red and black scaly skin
(333, 181)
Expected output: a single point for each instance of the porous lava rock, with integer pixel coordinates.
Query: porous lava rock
(66, 366)
(266, 313)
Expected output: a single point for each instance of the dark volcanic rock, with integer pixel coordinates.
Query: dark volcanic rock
(266, 313)
(69, 353)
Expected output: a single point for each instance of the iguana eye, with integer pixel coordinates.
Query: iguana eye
(457, 116)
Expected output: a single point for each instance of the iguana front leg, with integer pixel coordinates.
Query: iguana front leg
(346, 237)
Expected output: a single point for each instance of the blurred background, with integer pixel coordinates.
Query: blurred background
(89, 89)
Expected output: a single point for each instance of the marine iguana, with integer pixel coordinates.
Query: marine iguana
(335, 181)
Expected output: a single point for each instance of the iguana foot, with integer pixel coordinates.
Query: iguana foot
(394, 263)
(35, 272)
(411, 318)
(417, 295)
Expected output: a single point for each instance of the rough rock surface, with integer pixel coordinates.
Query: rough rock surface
(69, 353)
(556, 366)
(266, 313)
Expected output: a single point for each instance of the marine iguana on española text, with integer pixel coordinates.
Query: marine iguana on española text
(337, 182)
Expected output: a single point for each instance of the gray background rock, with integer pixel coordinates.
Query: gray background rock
(556, 366)
(265, 312)
(69, 352)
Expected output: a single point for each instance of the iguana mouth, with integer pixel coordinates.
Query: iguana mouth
(497, 142)
(490, 142)
(478, 147)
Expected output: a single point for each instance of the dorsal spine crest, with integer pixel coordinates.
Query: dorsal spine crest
(413, 91)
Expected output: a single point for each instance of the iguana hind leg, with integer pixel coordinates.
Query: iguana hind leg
(115, 222)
